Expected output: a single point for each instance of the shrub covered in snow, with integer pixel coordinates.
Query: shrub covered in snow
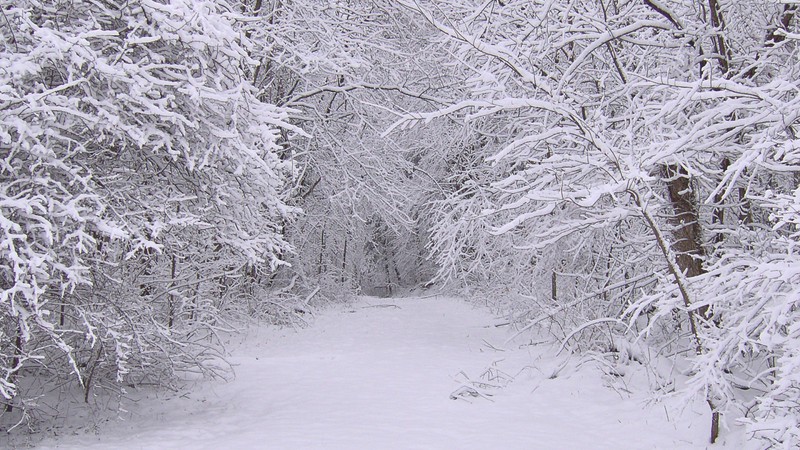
(141, 181)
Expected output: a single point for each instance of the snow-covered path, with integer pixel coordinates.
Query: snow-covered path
(379, 375)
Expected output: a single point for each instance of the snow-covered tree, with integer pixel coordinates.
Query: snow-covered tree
(624, 134)
(343, 65)
(140, 173)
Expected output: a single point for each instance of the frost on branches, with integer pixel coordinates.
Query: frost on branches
(758, 342)
(141, 182)
(640, 161)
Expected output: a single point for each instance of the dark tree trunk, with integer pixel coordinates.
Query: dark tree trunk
(686, 227)
(15, 360)
(321, 252)
(688, 247)
(171, 298)
(344, 260)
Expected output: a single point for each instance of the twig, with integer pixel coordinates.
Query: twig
(310, 296)
(13, 40)
(583, 327)
(555, 311)
(486, 343)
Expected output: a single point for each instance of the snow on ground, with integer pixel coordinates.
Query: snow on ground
(380, 374)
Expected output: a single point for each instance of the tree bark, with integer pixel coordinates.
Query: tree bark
(686, 227)
(321, 252)
(344, 260)
(15, 360)
(689, 253)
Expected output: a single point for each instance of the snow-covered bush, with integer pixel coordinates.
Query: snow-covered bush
(140, 176)
(665, 120)
(756, 345)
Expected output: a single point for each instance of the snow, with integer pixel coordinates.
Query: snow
(380, 373)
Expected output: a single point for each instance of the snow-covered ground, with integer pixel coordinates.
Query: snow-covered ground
(403, 374)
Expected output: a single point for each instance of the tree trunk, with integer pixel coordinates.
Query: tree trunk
(344, 260)
(321, 251)
(15, 360)
(686, 230)
(686, 227)
(689, 252)
(171, 298)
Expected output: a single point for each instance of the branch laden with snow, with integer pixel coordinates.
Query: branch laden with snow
(134, 149)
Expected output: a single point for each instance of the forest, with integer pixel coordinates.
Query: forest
(620, 175)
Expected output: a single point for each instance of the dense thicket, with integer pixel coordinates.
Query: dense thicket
(143, 185)
(625, 163)
(154, 173)
(343, 67)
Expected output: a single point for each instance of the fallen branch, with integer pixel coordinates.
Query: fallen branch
(310, 296)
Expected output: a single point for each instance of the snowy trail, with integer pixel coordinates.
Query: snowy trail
(379, 375)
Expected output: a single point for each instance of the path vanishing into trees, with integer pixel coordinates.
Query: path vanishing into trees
(407, 373)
